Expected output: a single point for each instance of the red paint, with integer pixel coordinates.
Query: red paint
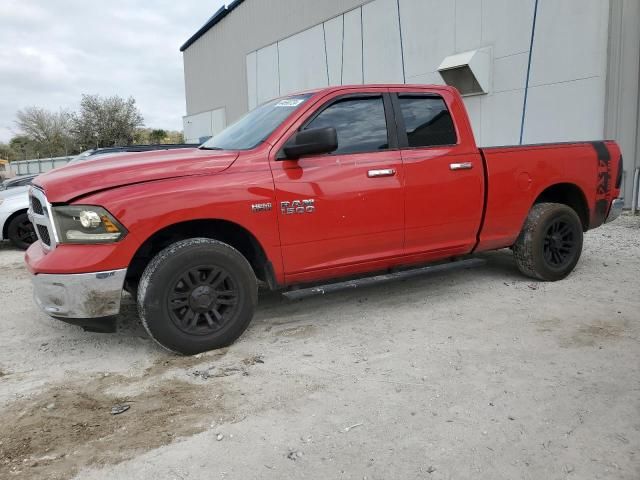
(424, 212)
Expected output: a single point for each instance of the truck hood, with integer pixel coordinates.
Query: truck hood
(71, 181)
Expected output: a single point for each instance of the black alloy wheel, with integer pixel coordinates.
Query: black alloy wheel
(197, 294)
(203, 300)
(560, 243)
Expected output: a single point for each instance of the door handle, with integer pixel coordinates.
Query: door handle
(461, 166)
(386, 172)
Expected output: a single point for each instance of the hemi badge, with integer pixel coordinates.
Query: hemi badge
(261, 207)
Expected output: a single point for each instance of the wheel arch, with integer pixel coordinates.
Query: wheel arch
(568, 194)
(7, 222)
(225, 231)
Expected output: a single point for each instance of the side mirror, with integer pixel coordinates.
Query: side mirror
(311, 142)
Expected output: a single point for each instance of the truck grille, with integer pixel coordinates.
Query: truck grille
(43, 233)
(36, 206)
(40, 216)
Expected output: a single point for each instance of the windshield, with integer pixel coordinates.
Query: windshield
(257, 125)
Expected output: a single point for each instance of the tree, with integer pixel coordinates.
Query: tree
(6, 153)
(157, 136)
(106, 121)
(175, 137)
(147, 135)
(47, 131)
(24, 148)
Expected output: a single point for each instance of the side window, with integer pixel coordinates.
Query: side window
(427, 121)
(360, 123)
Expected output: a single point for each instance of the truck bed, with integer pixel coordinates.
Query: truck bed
(517, 175)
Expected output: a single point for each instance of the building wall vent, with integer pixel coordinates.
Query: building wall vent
(469, 72)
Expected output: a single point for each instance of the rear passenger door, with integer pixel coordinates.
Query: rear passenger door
(443, 181)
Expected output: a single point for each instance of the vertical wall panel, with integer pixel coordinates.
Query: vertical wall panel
(474, 110)
(431, 78)
(570, 42)
(302, 61)
(381, 55)
(501, 116)
(510, 73)
(268, 83)
(622, 121)
(468, 28)
(333, 38)
(196, 126)
(565, 111)
(428, 34)
(352, 48)
(566, 99)
(252, 81)
(506, 25)
(203, 124)
(218, 120)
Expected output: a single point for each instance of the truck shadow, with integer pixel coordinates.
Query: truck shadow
(275, 309)
(498, 266)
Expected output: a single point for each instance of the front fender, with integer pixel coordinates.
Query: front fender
(147, 208)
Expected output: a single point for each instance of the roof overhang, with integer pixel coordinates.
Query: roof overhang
(215, 19)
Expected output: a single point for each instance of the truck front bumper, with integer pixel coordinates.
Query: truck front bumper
(80, 298)
(616, 209)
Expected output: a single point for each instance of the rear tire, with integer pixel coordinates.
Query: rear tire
(21, 231)
(197, 295)
(550, 243)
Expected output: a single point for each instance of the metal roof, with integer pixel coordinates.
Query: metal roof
(214, 20)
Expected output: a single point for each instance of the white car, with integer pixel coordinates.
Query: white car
(14, 222)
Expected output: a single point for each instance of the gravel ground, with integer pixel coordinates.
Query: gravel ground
(470, 373)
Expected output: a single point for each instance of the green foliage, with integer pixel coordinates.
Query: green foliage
(157, 136)
(146, 136)
(105, 122)
(47, 133)
(100, 122)
(6, 153)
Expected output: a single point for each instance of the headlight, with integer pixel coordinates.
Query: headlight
(86, 224)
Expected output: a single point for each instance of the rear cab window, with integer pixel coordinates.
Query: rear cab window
(426, 121)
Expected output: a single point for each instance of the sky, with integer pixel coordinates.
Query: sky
(53, 51)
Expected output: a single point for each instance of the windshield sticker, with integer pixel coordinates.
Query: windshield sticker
(289, 102)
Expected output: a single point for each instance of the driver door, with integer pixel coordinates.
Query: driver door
(342, 213)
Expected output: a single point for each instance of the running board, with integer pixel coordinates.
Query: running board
(380, 279)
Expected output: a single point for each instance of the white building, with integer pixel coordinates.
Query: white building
(535, 70)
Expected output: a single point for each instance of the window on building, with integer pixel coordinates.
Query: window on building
(427, 121)
(359, 122)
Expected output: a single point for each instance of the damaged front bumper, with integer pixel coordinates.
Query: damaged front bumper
(90, 300)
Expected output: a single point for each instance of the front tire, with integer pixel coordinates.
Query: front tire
(550, 243)
(21, 231)
(197, 295)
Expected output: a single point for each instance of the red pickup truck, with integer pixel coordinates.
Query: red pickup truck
(306, 188)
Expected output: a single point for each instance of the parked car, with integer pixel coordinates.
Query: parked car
(304, 189)
(17, 181)
(14, 222)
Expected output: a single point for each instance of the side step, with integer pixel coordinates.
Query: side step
(384, 278)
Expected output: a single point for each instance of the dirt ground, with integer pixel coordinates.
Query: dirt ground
(468, 373)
